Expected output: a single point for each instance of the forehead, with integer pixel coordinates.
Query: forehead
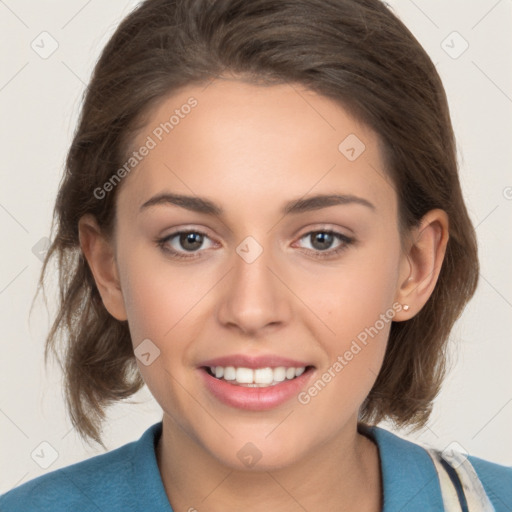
(241, 143)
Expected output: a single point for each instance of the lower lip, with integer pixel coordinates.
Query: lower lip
(255, 399)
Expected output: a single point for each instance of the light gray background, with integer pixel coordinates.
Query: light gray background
(39, 101)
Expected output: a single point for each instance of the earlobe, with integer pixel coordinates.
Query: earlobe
(423, 262)
(100, 256)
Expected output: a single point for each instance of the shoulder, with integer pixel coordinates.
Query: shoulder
(91, 485)
(496, 480)
(79, 485)
(414, 459)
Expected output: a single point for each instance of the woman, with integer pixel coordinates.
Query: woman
(262, 220)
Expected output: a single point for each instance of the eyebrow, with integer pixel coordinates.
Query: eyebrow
(301, 205)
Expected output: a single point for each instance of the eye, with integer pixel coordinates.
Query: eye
(188, 243)
(180, 243)
(321, 243)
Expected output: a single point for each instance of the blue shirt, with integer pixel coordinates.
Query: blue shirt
(127, 479)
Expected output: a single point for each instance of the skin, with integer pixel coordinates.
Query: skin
(250, 149)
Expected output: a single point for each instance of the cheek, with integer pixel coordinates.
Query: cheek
(159, 308)
(352, 296)
(355, 304)
(151, 305)
(158, 296)
(355, 346)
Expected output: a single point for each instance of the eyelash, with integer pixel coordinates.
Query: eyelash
(346, 242)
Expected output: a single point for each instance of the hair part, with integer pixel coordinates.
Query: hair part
(356, 52)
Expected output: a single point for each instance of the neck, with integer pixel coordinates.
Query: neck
(341, 475)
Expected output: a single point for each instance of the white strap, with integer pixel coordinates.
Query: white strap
(474, 492)
(450, 498)
(477, 498)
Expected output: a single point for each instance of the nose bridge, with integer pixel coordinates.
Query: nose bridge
(251, 265)
(253, 297)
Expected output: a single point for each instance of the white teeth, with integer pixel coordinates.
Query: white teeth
(244, 375)
(280, 373)
(299, 371)
(229, 373)
(264, 376)
(259, 377)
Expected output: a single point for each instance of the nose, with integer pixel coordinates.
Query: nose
(254, 299)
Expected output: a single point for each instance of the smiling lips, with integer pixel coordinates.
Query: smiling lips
(254, 383)
(259, 377)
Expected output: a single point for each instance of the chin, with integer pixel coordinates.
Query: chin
(257, 453)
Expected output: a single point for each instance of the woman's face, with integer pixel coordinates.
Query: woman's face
(276, 270)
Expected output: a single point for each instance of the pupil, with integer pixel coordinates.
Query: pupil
(192, 238)
(325, 240)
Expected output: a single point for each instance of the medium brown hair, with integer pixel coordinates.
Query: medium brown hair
(356, 52)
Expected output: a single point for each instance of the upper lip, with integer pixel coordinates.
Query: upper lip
(246, 361)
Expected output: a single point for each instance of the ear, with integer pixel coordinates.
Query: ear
(421, 263)
(100, 256)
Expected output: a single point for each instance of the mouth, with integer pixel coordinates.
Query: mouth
(254, 382)
(256, 377)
